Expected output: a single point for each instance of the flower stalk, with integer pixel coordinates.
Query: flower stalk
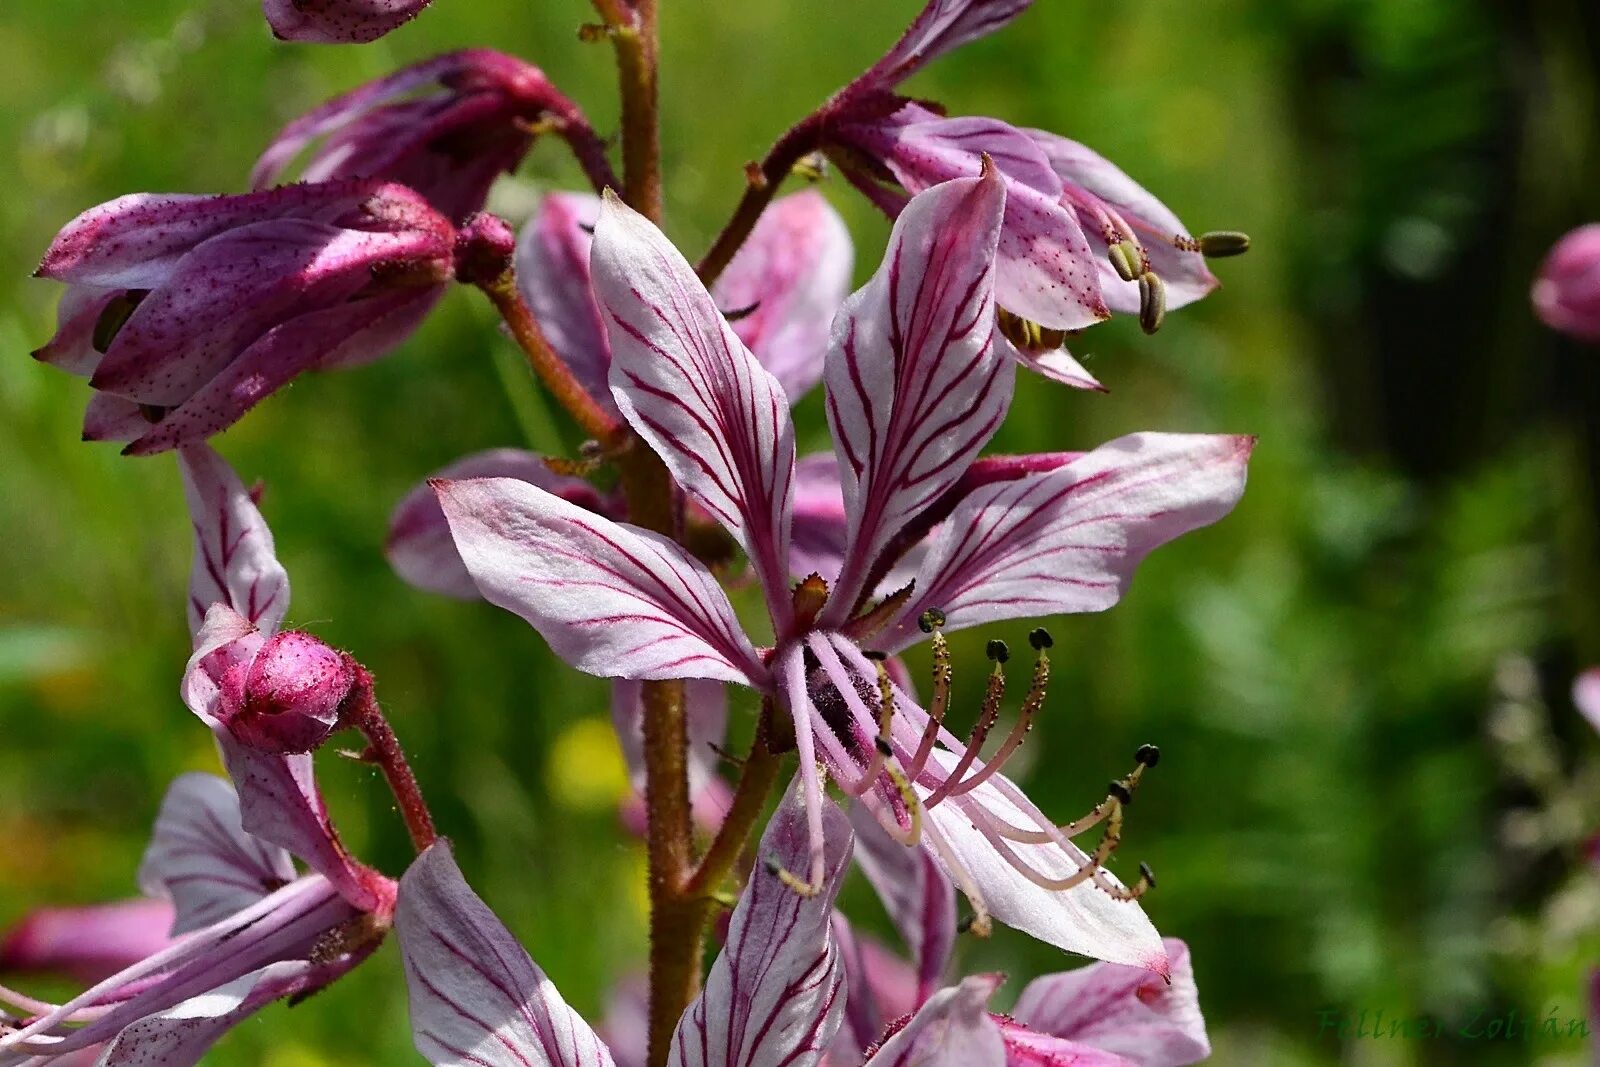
(632, 29)
(383, 749)
(761, 185)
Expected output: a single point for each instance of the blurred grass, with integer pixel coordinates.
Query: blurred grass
(1329, 819)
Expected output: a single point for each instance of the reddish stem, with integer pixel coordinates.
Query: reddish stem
(761, 186)
(383, 749)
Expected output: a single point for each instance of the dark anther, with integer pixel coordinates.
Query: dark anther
(741, 313)
(930, 620)
(1149, 755)
(965, 924)
(997, 651)
(1148, 875)
(883, 747)
(1120, 792)
(772, 866)
(1040, 639)
(586, 228)
(876, 655)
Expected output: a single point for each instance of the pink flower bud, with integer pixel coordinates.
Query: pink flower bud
(484, 248)
(1566, 295)
(186, 311)
(295, 692)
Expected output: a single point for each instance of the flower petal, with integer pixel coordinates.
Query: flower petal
(1083, 919)
(1183, 269)
(87, 943)
(880, 987)
(688, 385)
(774, 995)
(72, 349)
(1056, 364)
(234, 560)
(1045, 269)
(338, 21)
(201, 859)
(1126, 1010)
(108, 417)
(1586, 695)
(611, 599)
(181, 1035)
(940, 27)
(1070, 540)
(476, 997)
(915, 385)
(420, 547)
(953, 1029)
(790, 276)
(920, 900)
(552, 265)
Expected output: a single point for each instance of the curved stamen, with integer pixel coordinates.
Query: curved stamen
(1031, 706)
(930, 622)
(994, 692)
(881, 750)
(912, 835)
(800, 710)
(1147, 756)
(840, 677)
(1086, 871)
(980, 925)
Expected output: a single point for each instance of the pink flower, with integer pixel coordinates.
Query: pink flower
(446, 127)
(339, 21)
(87, 943)
(916, 386)
(1566, 295)
(185, 311)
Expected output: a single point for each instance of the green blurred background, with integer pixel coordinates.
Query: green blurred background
(1375, 790)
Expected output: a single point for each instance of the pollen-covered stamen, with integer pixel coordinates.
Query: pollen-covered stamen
(930, 621)
(790, 880)
(1031, 705)
(881, 749)
(980, 925)
(1091, 869)
(994, 692)
(1152, 302)
(910, 836)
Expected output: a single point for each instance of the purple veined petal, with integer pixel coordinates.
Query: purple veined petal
(1070, 540)
(419, 546)
(286, 925)
(338, 21)
(1045, 269)
(266, 365)
(1057, 364)
(706, 709)
(879, 988)
(1125, 1010)
(794, 272)
(87, 943)
(1182, 268)
(235, 563)
(611, 599)
(201, 859)
(953, 1029)
(821, 529)
(688, 385)
(181, 1035)
(775, 994)
(477, 999)
(941, 27)
(233, 288)
(109, 417)
(1083, 919)
(552, 265)
(388, 321)
(72, 349)
(920, 900)
(1586, 695)
(135, 241)
(1028, 1048)
(915, 385)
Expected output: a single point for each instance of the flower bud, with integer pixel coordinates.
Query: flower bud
(1566, 294)
(295, 694)
(484, 247)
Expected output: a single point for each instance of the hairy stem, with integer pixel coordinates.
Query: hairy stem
(551, 369)
(589, 150)
(761, 186)
(632, 29)
(383, 749)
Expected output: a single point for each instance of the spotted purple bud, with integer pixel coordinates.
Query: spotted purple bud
(296, 692)
(484, 247)
(1566, 295)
